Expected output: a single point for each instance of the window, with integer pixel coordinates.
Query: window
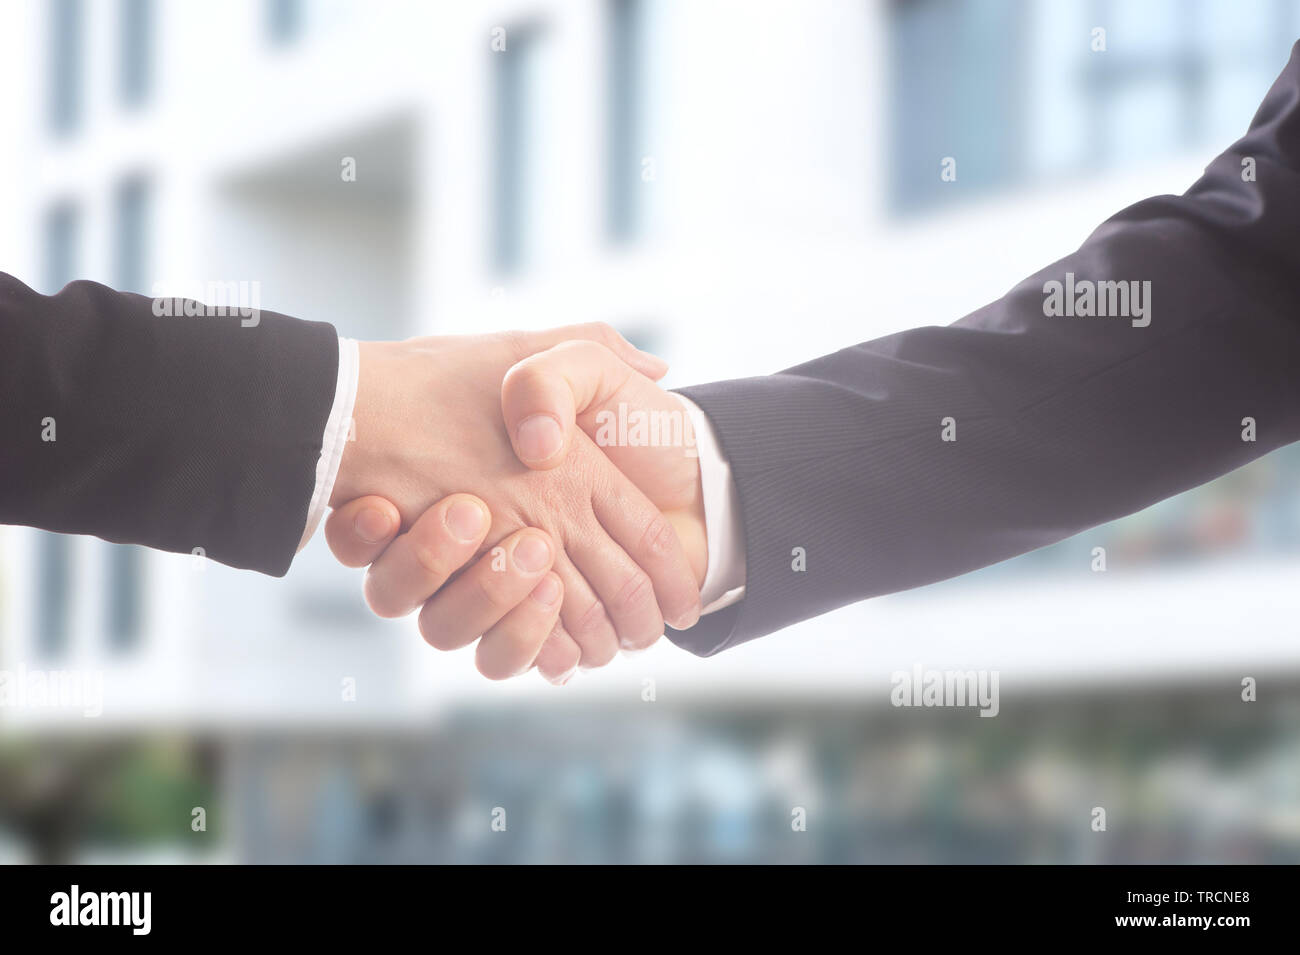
(55, 592)
(135, 47)
(514, 143)
(65, 57)
(1015, 92)
(625, 119)
(124, 561)
(53, 560)
(62, 235)
(130, 212)
(283, 21)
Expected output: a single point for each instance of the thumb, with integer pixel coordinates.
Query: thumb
(575, 383)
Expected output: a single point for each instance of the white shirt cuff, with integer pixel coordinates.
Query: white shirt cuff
(724, 581)
(337, 431)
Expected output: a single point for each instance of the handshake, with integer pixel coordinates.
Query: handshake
(493, 483)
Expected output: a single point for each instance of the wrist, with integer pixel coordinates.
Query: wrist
(357, 466)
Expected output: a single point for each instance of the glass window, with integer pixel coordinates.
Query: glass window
(625, 123)
(1016, 92)
(283, 20)
(514, 147)
(66, 52)
(135, 46)
(54, 590)
(125, 561)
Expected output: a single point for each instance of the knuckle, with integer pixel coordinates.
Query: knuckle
(599, 655)
(432, 560)
(559, 654)
(603, 332)
(588, 346)
(636, 597)
(526, 376)
(516, 344)
(592, 624)
(658, 540)
(493, 588)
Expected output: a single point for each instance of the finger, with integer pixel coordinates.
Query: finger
(651, 542)
(581, 386)
(358, 531)
(542, 396)
(625, 590)
(557, 661)
(414, 566)
(510, 645)
(584, 617)
(528, 343)
(471, 604)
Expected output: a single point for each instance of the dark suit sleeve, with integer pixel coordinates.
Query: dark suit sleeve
(173, 432)
(1062, 423)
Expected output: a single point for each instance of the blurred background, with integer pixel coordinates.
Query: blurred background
(738, 187)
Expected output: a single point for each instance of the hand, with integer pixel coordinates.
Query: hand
(574, 384)
(643, 430)
(612, 594)
(508, 597)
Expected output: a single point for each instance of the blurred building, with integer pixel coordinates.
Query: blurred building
(739, 187)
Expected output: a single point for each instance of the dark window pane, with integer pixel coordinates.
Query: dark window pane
(66, 51)
(124, 595)
(511, 103)
(61, 236)
(62, 228)
(283, 20)
(625, 122)
(131, 211)
(1016, 92)
(956, 79)
(131, 250)
(136, 25)
(55, 592)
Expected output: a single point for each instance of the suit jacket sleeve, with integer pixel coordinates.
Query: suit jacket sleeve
(1061, 423)
(173, 432)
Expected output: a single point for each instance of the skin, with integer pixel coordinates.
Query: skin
(577, 384)
(575, 551)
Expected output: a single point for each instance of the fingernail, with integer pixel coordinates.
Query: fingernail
(539, 438)
(632, 651)
(372, 525)
(548, 591)
(465, 520)
(565, 678)
(687, 620)
(626, 646)
(532, 554)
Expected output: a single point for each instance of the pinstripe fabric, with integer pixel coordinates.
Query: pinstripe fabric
(1061, 423)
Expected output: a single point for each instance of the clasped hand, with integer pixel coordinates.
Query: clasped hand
(474, 488)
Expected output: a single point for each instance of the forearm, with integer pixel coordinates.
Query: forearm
(173, 431)
(852, 484)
